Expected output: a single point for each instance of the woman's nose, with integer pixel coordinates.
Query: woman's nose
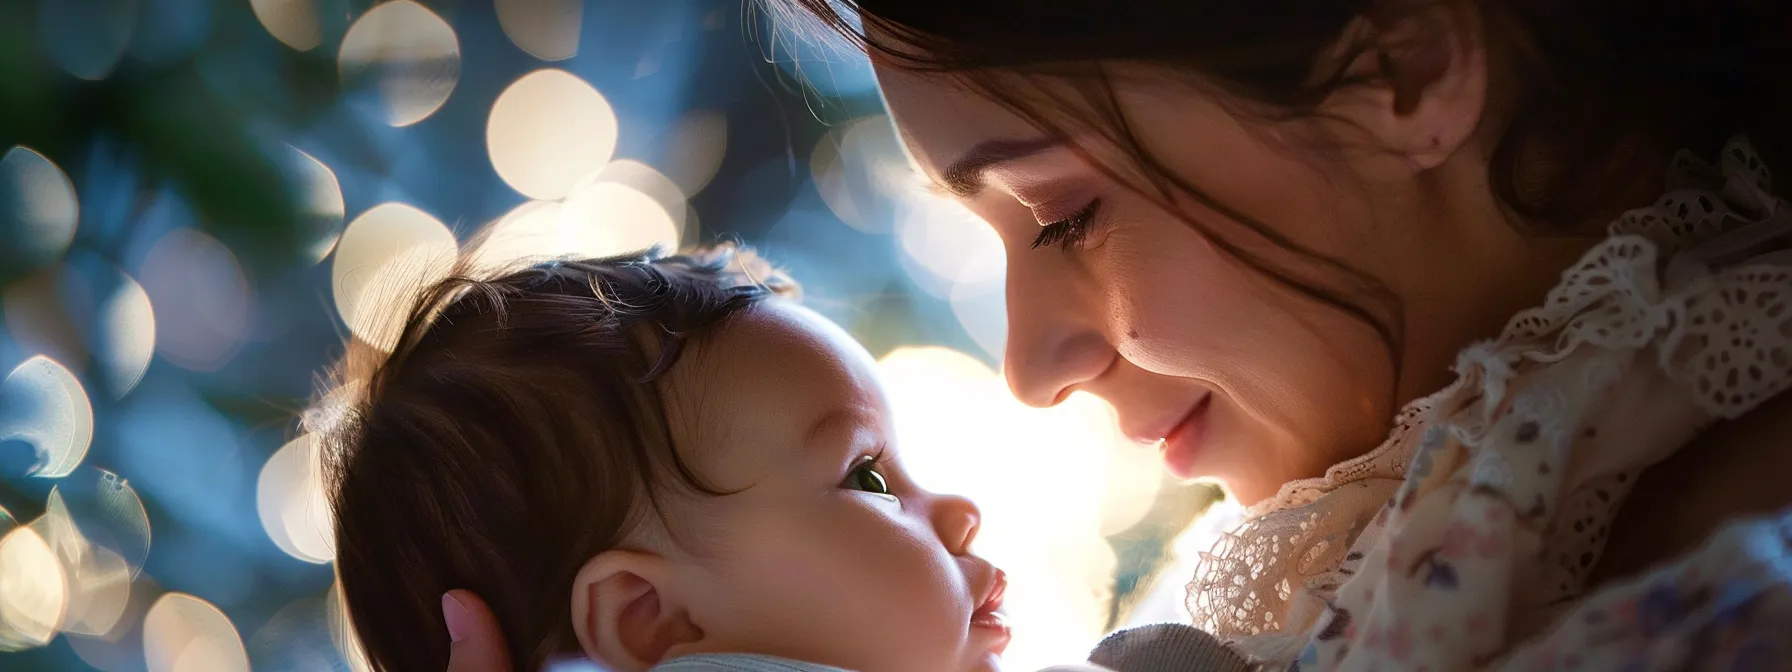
(1051, 348)
(956, 520)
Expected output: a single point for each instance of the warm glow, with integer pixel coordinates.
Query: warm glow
(385, 256)
(290, 498)
(320, 204)
(182, 633)
(202, 299)
(409, 53)
(33, 591)
(292, 22)
(546, 29)
(694, 151)
(38, 210)
(1049, 483)
(549, 131)
(44, 405)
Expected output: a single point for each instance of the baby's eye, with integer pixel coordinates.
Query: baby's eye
(866, 478)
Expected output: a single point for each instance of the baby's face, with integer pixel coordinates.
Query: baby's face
(829, 553)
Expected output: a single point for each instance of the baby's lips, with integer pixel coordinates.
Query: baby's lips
(992, 601)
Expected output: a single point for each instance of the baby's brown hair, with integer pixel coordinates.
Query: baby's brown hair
(514, 432)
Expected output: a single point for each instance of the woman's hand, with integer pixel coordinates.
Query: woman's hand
(476, 643)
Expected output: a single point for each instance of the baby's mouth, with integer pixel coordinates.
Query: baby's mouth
(988, 615)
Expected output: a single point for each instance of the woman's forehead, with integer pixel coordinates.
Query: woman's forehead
(939, 118)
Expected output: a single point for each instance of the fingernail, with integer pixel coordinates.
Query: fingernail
(456, 615)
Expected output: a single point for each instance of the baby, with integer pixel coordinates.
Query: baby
(658, 464)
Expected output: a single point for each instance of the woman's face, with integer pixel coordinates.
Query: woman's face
(1242, 378)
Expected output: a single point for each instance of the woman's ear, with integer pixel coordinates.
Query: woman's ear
(1425, 82)
(624, 613)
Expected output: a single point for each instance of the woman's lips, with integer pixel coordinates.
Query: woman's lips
(1182, 444)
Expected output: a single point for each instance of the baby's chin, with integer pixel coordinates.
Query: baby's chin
(989, 662)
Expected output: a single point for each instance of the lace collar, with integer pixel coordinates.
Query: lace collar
(1711, 216)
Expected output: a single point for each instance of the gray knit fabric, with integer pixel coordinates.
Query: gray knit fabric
(738, 662)
(1166, 647)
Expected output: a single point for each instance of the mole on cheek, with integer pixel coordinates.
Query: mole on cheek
(1132, 334)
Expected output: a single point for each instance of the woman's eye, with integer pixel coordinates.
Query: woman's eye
(867, 479)
(1070, 231)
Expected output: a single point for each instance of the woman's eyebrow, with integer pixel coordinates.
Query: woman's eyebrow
(964, 177)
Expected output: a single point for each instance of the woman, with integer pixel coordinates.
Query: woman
(1260, 229)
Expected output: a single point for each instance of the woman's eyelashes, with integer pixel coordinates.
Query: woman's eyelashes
(1069, 232)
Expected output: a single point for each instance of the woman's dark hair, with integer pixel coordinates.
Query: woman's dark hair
(1600, 84)
(513, 433)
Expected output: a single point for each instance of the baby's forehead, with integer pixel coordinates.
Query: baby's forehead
(772, 372)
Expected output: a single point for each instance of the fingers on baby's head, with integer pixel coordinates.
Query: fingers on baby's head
(513, 432)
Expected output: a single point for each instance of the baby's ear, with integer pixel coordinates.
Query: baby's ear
(622, 613)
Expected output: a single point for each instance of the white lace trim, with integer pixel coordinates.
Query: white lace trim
(1726, 335)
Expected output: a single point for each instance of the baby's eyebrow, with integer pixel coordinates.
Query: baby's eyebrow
(829, 424)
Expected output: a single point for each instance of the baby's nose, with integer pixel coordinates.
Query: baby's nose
(956, 520)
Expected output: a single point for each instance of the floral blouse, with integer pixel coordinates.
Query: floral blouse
(1470, 549)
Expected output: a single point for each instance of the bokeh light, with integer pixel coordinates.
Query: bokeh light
(44, 405)
(120, 650)
(342, 631)
(127, 335)
(202, 299)
(1042, 478)
(172, 289)
(296, 638)
(289, 495)
(859, 169)
(695, 149)
(982, 311)
(38, 316)
(182, 632)
(97, 579)
(385, 255)
(628, 218)
(600, 219)
(548, 132)
(38, 210)
(87, 37)
(108, 512)
(546, 29)
(292, 22)
(656, 185)
(33, 590)
(944, 245)
(320, 200)
(410, 55)
(80, 309)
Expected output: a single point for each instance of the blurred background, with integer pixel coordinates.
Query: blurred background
(202, 201)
